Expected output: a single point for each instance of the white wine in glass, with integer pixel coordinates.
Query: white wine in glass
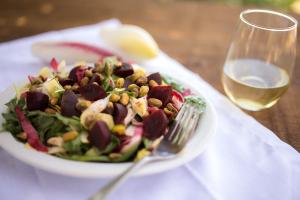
(260, 60)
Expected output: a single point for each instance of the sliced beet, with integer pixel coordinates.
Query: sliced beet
(68, 104)
(36, 101)
(77, 73)
(92, 92)
(156, 77)
(155, 125)
(161, 92)
(120, 112)
(99, 135)
(124, 70)
(66, 81)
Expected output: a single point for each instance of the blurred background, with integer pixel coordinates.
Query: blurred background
(293, 5)
(28, 15)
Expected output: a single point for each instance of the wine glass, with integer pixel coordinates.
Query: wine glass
(261, 59)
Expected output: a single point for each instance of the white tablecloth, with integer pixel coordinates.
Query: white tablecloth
(245, 160)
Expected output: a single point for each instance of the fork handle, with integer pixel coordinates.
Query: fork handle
(111, 186)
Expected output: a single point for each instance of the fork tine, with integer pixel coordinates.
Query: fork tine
(182, 133)
(182, 122)
(187, 125)
(184, 126)
(174, 127)
(196, 121)
(191, 126)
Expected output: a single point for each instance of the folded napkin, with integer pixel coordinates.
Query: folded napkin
(245, 160)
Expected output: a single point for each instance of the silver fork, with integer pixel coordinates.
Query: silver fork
(172, 144)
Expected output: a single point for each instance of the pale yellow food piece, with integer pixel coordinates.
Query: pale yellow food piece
(46, 72)
(52, 87)
(132, 40)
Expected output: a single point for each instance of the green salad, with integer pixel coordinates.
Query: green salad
(112, 111)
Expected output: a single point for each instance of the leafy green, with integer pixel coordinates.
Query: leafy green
(76, 151)
(197, 101)
(46, 125)
(108, 84)
(109, 63)
(147, 143)
(51, 125)
(73, 122)
(113, 144)
(74, 146)
(11, 122)
(94, 151)
(170, 81)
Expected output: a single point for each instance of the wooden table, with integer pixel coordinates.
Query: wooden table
(197, 34)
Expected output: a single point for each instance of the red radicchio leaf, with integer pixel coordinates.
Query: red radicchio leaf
(125, 140)
(178, 96)
(101, 52)
(177, 99)
(32, 135)
(186, 92)
(54, 64)
(30, 78)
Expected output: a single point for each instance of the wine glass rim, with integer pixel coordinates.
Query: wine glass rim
(288, 17)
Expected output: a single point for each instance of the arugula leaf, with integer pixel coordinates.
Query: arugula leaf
(73, 122)
(48, 127)
(73, 146)
(51, 125)
(46, 124)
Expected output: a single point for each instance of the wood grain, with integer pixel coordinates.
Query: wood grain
(197, 34)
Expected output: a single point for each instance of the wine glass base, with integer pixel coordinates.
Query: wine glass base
(252, 105)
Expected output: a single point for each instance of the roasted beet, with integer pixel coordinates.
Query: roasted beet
(66, 81)
(77, 73)
(36, 101)
(99, 135)
(120, 113)
(95, 78)
(161, 92)
(108, 110)
(68, 104)
(92, 92)
(156, 77)
(155, 125)
(124, 70)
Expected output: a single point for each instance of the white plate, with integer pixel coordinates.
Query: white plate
(57, 165)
